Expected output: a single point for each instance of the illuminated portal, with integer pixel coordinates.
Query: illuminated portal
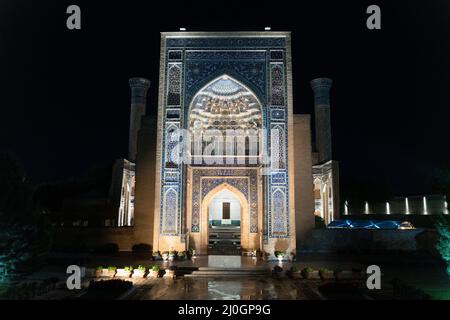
(230, 92)
(219, 171)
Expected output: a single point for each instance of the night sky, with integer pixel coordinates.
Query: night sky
(65, 99)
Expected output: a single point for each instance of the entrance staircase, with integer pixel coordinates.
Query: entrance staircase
(224, 241)
(223, 272)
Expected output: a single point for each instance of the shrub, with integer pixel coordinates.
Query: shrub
(99, 268)
(307, 270)
(443, 244)
(280, 254)
(294, 269)
(112, 268)
(323, 270)
(109, 248)
(129, 268)
(142, 248)
(155, 267)
(141, 268)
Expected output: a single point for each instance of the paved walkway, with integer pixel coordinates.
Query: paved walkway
(430, 277)
(258, 288)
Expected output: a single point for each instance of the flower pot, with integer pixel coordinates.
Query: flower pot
(153, 274)
(326, 275)
(111, 273)
(98, 273)
(280, 258)
(310, 275)
(171, 257)
(169, 274)
(123, 273)
(296, 275)
(165, 256)
(105, 272)
(138, 273)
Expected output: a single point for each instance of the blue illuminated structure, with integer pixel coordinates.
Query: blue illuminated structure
(369, 224)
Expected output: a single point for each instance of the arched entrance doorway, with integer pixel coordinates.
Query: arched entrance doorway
(212, 228)
(224, 212)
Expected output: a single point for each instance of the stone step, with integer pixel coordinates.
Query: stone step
(228, 269)
(221, 276)
(226, 274)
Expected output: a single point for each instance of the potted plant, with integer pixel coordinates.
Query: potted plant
(280, 255)
(295, 272)
(156, 256)
(98, 271)
(139, 272)
(307, 273)
(326, 274)
(125, 272)
(172, 255)
(170, 272)
(182, 255)
(154, 271)
(112, 271)
(165, 255)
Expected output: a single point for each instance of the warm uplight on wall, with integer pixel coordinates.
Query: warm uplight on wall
(406, 205)
(425, 209)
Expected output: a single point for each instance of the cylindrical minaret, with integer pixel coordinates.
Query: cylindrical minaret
(139, 87)
(321, 88)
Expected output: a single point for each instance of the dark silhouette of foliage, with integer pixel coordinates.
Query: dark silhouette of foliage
(443, 244)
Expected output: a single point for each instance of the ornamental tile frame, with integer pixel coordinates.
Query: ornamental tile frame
(262, 62)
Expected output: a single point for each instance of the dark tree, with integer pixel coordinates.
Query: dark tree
(25, 236)
(443, 245)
